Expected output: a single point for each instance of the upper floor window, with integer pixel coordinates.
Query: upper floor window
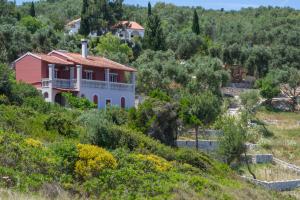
(113, 77)
(55, 73)
(88, 74)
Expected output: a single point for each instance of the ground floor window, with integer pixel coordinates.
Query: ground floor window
(95, 100)
(123, 103)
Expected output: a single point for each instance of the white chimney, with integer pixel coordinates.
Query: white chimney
(84, 48)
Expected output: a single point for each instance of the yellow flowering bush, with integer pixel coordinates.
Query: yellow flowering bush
(159, 163)
(92, 160)
(33, 143)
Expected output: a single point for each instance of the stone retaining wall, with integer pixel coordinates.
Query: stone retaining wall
(276, 185)
(287, 165)
(205, 145)
(262, 158)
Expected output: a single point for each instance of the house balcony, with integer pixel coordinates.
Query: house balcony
(72, 84)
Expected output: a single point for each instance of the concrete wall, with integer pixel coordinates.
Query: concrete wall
(276, 185)
(262, 158)
(205, 145)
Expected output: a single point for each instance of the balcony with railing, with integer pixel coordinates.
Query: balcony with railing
(60, 83)
(72, 84)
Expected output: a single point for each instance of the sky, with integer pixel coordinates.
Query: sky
(217, 4)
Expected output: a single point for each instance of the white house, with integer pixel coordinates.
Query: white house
(125, 30)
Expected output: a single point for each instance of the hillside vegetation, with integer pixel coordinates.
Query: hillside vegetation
(78, 152)
(60, 158)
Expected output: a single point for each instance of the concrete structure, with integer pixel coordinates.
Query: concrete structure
(73, 26)
(204, 145)
(262, 158)
(276, 185)
(125, 30)
(100, 80)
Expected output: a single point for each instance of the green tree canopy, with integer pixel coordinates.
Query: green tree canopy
(84, 23)
(154, 36)
(199, 110)
(195, 26)
(112, 47)
(32, 10)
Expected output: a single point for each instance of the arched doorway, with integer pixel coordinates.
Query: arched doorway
(95, 100)
(123, 102)
(60, 99)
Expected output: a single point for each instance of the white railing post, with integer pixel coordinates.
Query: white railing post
(107, 78)
(79, 77)
(72, 75)
(132, 80)
(50, 82)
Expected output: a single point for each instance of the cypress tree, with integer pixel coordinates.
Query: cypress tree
(32, 10)
(84, 22)
(196, 27)
(149, 9)
(154, 37)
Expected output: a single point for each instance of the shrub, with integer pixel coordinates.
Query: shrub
(38, 104)
(160, 164)
(92, 160)
(61, 123)
(4, 99)
(232, 143)
(33, 143)
(20, 91)
(81, 103)
(68, 153)
(23, 155)
(112, 137)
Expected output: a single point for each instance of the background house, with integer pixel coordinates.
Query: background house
(125, 30)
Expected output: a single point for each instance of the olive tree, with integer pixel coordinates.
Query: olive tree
(199, 110)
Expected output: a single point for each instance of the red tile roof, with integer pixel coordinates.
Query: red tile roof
(93, 61)
(129, 24)
(53, 59)
(73, 22)
(66, 58)
(47, 58)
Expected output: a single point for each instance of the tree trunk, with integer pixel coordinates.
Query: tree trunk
(197, 134)
(248, 166)
(294, 103)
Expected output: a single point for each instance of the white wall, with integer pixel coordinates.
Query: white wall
(75, 29)
(114, 95)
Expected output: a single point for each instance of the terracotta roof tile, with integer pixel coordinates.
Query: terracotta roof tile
(129, 24)
(53, 59)
(73, 22)
(93, 61)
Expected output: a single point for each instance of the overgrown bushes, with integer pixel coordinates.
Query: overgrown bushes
(61, 123)
(112, 136)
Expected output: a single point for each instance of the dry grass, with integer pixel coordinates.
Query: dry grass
(285, 144)
(271, 172)
(7, 194)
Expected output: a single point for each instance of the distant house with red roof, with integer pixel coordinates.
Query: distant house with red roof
(99, 79)
(125, 30)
